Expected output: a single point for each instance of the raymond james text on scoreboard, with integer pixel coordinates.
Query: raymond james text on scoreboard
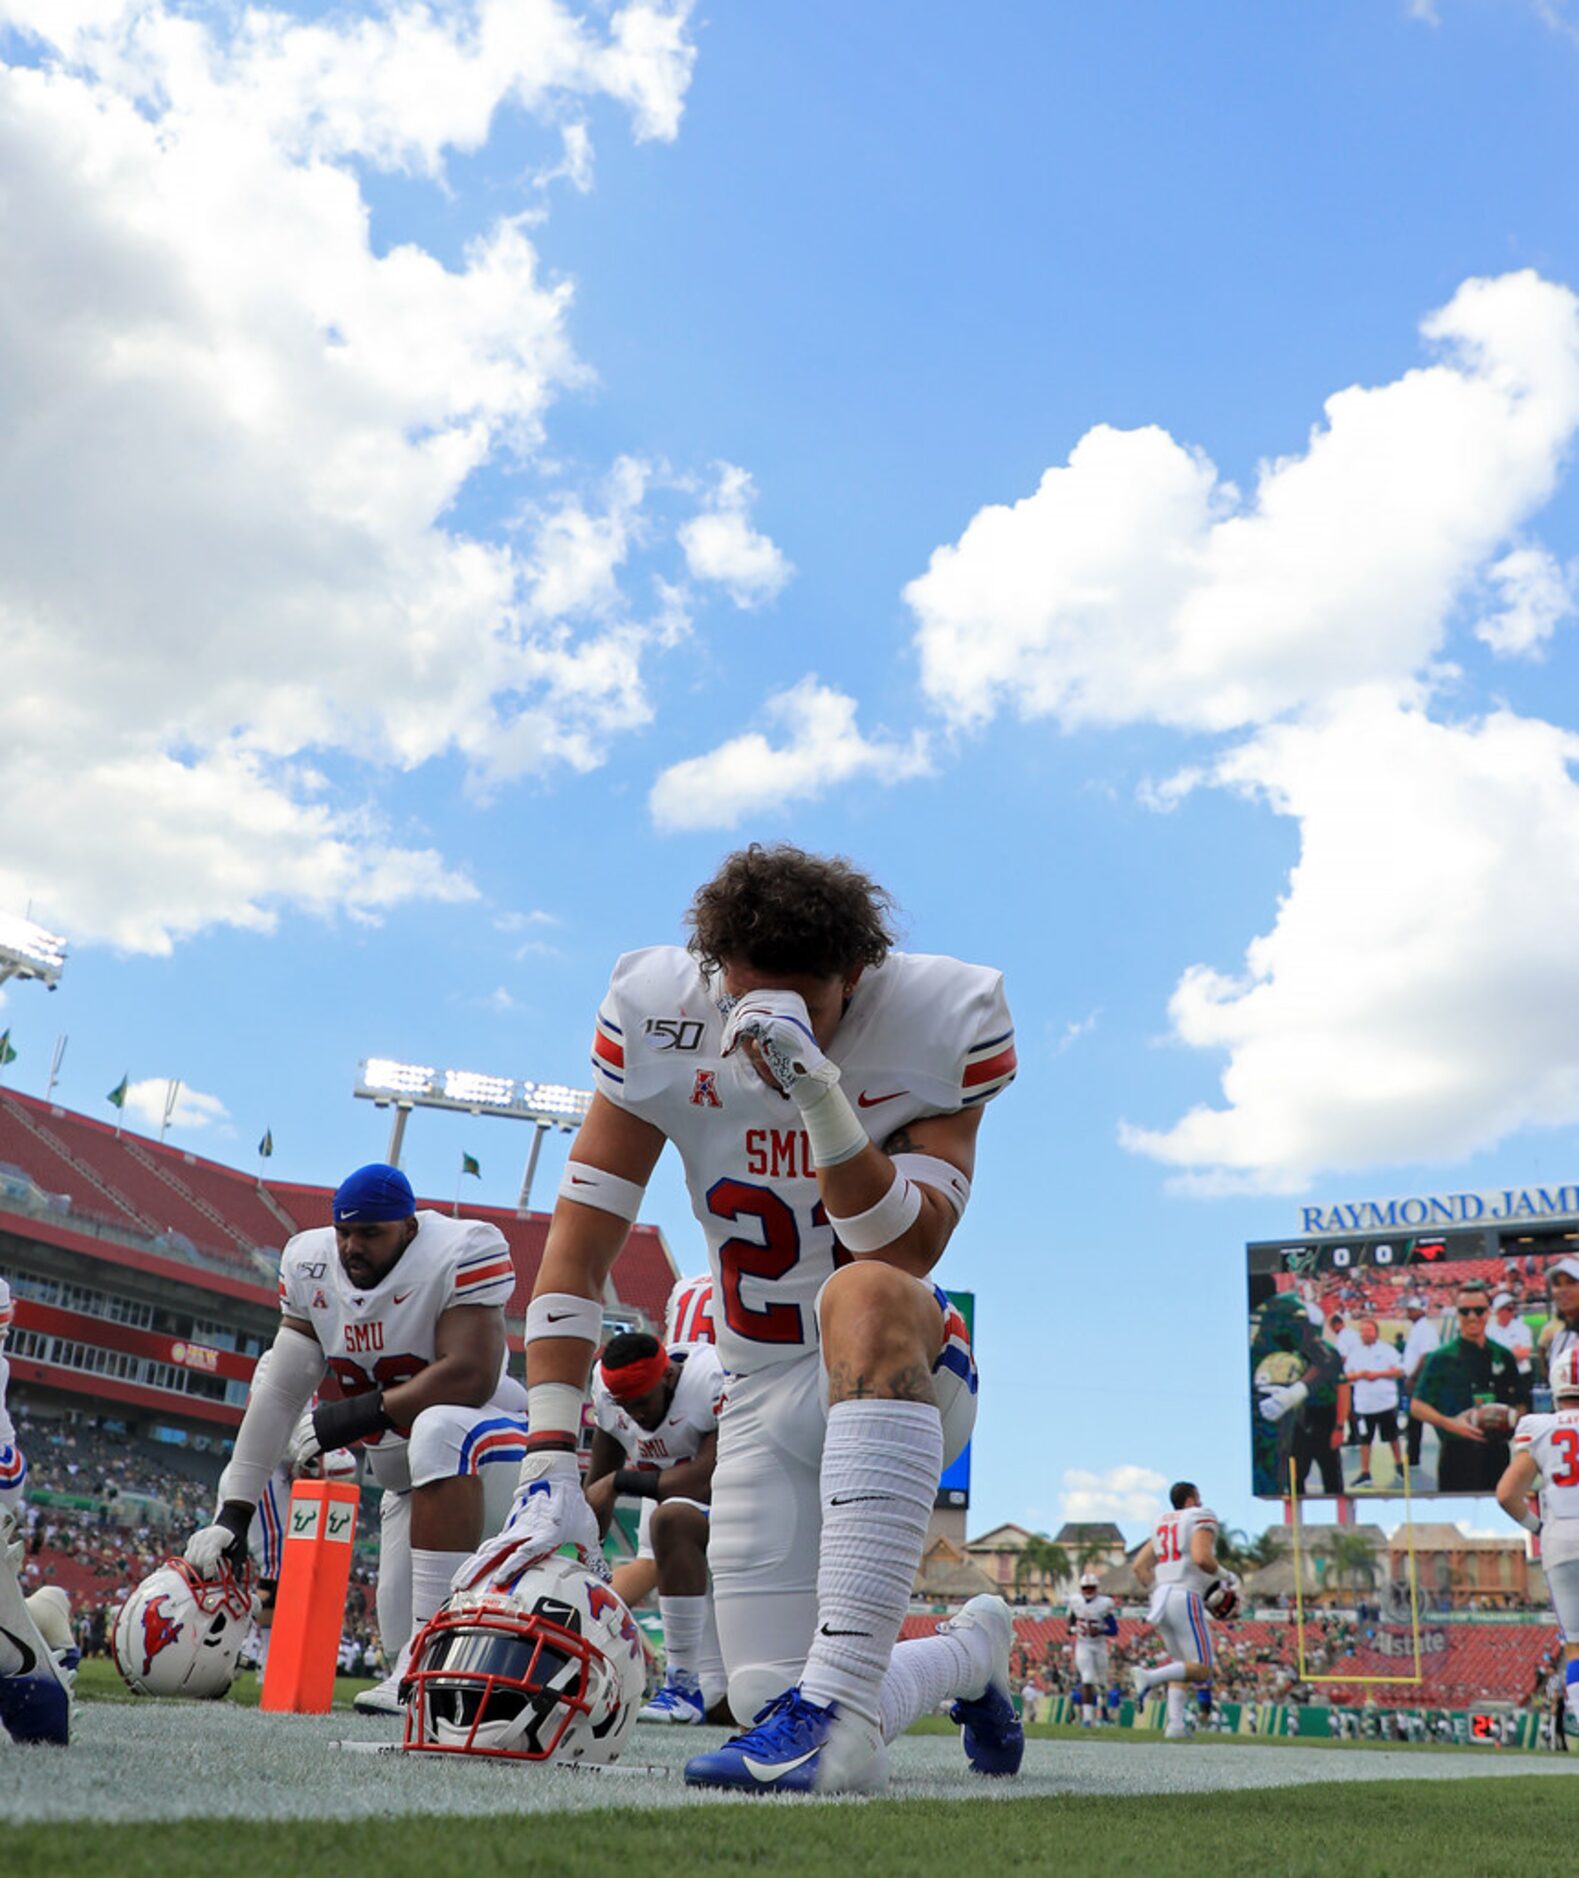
(1442, 1209)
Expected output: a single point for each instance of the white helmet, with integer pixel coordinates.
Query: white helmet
(1565, 1371)
(549, 1670)
(1089, 1582)
(179, 1634)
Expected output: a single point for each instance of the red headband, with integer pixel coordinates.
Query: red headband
(635, 1379)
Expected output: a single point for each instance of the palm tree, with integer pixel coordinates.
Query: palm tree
(1233, 1548)
(1042, 1558)
(1092, 1553)
(1353, 1556)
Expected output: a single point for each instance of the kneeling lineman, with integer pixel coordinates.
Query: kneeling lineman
(406, 1311)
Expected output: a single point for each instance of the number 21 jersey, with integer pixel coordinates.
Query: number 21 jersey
(920, 1036)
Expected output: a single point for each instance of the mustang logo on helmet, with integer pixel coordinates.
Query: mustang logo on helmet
(160, 1630)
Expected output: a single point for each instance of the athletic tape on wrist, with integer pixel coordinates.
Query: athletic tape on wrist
(554, 1408)
(591, 1186)
(563, 1314)
(881, 1225)
(832, 1127)
(930, 1170)
(1529, 1522)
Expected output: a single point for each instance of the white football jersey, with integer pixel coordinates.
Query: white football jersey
(385, 1335)
(1170, 1541)
(693, 1411)
(921, 1036)
(689, 1318)
(1552, 1442)
(1088, 1616)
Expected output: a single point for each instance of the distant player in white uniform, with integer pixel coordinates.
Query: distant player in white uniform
(1545, 1466)
(1178, 1565)
(689, 1318)
(1093, 1622)
(656, 1407)
(405, 1310)
(815, 1083)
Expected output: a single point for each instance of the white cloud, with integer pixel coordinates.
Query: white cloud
(1128, 1495)
(1136, 585)
(1537, 595)
(524, 922)
(1075, 1029)
(231, 438)
(822, 747)
(721, 545)
(146, 1100)
(1418, 995)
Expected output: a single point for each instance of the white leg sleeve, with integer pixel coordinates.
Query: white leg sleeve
(394, 1573)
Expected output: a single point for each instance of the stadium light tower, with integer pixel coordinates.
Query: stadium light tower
(407, 1086)
(27, 951)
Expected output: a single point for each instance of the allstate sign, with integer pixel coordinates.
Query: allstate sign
(1442, 1209)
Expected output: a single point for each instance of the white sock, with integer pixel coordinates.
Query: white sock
(928, 1671)
(880, 1466)
(1176, 1704)
(710, 1670)
(431, 1573)
(683, 1622)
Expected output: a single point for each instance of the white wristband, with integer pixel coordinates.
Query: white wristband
(591, 1186)
(1529, 1522)
(930, 1170)
(563, 1314)
(554, 1408)
(879, 1226)
(832, 1127)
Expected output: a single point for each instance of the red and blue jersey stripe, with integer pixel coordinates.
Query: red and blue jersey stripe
(989, 1066)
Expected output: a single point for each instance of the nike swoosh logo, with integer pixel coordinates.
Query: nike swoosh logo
(856, 1499)
(29, 1654)
(863, 1100)
(765, 1771)
(401, 1296)
(558, 1317)
(844, 1633)
(577, 1181)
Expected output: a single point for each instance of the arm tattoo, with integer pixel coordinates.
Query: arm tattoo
(901, 1141)
(911, 1383)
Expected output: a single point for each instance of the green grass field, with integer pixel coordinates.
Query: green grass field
(99, 1681)
(1510, 1826)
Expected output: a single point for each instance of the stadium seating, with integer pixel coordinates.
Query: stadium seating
(146, 1188)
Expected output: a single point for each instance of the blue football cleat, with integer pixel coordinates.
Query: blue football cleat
(675, 1702)
(990, 1731)
(795, 1746)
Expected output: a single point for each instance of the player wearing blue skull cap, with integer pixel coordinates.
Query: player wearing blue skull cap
(405, 1309)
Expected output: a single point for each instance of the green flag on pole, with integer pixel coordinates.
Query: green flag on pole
(7, 1054)
(469, 1166)
(117, 1096)
(266, 1145)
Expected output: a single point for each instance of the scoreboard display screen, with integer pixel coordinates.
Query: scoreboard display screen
(1394, 1350)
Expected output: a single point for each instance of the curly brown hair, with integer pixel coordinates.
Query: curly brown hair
(780, 909)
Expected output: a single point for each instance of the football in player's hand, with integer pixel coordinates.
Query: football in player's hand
(1495, 1420)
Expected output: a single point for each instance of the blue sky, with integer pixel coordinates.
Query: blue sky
(402, 536)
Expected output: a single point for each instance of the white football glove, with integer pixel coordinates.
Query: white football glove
(550, 1511)
(207, 1548)
(1279, 1401)
(778, 1023)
